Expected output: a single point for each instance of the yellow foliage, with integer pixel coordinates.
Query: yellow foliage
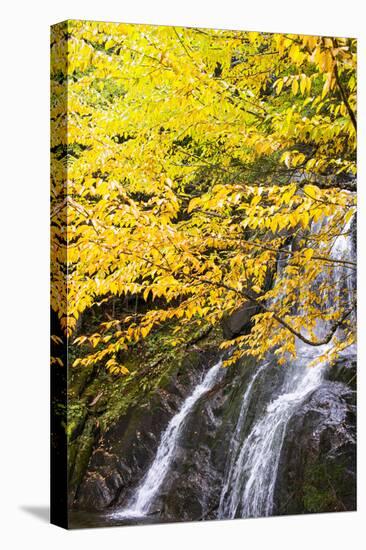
(159, 179)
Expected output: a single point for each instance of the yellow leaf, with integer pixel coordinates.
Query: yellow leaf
(310, 190)
(255, 200)
(305, 219)
(295, 86)
(279, 86)
(308, 254)
(303, 84)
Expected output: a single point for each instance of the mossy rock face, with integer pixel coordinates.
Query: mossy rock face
(317, 471)
(97, 401)
(79, 452)
(326, 486)
(129, 414)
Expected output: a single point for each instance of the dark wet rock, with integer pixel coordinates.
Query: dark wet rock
(192, 488)
(344, 370)
(317, 471)
(239, 320)
(98, 490)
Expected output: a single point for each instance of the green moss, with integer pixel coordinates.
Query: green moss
(79, 452)
(324, 486)
(317, 501)
(76, 415)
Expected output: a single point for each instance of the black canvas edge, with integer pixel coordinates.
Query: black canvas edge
(58, 378)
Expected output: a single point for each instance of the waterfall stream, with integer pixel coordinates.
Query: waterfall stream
(251, 477)
(149, 487)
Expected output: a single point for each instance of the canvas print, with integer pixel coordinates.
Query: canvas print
(203, 234)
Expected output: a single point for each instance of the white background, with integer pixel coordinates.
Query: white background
(24, 296)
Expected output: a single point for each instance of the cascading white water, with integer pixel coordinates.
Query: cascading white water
(149, 487)
(250, 477)
(236, 439)
(251, 481)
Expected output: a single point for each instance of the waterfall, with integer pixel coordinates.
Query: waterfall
(150, 485)
(254, 453)
(251, 471)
